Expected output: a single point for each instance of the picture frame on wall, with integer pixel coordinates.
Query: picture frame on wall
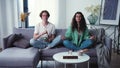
(110, 12)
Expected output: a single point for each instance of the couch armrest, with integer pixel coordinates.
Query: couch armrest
(5, 43)
(5, 40)
(108, 43)
(103, 51)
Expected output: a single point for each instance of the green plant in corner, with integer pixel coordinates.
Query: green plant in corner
(94, 10)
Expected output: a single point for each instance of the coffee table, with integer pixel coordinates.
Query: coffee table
(59, 58)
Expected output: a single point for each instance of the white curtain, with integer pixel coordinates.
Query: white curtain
(8, 18)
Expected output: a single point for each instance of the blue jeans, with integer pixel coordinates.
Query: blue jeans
(41, 43)
(84, 44)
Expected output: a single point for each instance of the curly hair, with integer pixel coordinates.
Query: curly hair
(82, 22)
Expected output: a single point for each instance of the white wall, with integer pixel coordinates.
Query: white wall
(36, 6)
(56, 8)
(72, 6)
(61, 14)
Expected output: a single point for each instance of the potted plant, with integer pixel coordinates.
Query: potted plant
(94, 13)
(22, 18)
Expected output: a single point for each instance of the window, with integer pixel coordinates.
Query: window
(36, 6)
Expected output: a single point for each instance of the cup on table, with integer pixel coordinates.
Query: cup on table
(70, 52)
(80, 53)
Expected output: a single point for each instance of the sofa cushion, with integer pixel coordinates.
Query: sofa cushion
(15, 56)
(18, 36)
(26, 32)
(12, 38)
(22, 43)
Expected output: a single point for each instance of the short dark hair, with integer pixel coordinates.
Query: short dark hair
(44, 11)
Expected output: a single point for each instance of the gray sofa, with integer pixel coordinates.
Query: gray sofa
(15, 57)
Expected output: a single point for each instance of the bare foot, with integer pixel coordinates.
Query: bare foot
(84, 50)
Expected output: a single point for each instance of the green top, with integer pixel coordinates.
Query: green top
(73, 36)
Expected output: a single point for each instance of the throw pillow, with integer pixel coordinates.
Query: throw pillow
(18, 37)
(10, 40)
(22, 43)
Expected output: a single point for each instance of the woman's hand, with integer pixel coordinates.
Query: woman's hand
(92, 37)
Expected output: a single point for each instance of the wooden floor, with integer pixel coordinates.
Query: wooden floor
(115, 63)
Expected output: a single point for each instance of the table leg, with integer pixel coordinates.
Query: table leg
(41, 63)
(75, 65)
(88, 64)
(65, 65)
(54, 64)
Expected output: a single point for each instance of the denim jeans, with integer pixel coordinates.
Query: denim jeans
(41, 43)
(84, 44)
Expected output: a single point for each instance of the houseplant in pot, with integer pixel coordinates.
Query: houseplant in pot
(94, 11)
(23, 17)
